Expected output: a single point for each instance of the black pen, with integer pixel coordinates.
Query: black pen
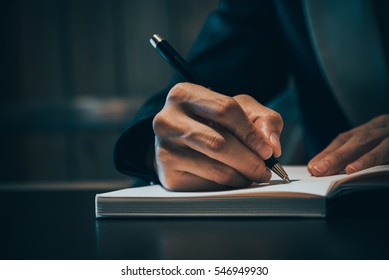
(177, 62)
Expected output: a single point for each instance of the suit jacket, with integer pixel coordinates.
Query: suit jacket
(254, 47)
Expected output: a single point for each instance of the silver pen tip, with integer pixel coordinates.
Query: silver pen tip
(280, 171)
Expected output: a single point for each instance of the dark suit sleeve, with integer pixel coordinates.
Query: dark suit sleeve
(239, 50)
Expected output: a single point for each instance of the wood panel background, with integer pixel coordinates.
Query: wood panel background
(72, 75)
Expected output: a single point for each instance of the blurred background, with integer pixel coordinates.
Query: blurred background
(74, 72)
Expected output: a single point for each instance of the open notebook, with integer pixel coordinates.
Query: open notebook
(305, 196)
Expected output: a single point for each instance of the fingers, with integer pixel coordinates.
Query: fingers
(223, 111)
(188, 182)
(313, 166)
(268, 122)
(224, 147)
(378, 155)
(221, 146)
(342, 139)
(207, 141)
(195, 171)
(338, 142)
(352, 151)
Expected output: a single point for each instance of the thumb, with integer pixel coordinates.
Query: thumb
(268, 125)
(268, 122)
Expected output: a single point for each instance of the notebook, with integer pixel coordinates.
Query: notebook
(305, 196)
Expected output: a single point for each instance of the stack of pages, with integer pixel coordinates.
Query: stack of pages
(305, 196)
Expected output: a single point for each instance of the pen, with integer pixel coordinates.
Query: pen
(177, 62)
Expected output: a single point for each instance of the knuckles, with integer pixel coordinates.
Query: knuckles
(337, 158)
(252, 138)
(160, 123)
(223, 176)
(274, 118)
(343, 137)
(225, 108)
(371, 159)
(216, 143)
(365, 137)
(177, 93)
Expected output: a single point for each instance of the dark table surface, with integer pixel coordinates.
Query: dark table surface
(57, 221)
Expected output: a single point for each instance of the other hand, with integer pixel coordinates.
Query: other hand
(357, 149)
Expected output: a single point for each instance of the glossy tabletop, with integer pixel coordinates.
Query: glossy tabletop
(57, 221)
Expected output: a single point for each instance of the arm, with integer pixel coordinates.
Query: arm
(235, 52)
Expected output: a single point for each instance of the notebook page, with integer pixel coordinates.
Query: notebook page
(302, 182)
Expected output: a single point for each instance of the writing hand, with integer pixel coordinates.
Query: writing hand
(360, 148)
(206, 141)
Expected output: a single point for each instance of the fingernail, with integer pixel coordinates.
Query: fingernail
(354, 167)
(322, 166)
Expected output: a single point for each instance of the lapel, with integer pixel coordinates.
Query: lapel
(381, 8)
(349, 47)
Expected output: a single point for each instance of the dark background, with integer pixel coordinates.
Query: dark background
(72, 75)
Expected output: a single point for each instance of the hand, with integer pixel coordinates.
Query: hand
(360, 148)
(207, 141)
